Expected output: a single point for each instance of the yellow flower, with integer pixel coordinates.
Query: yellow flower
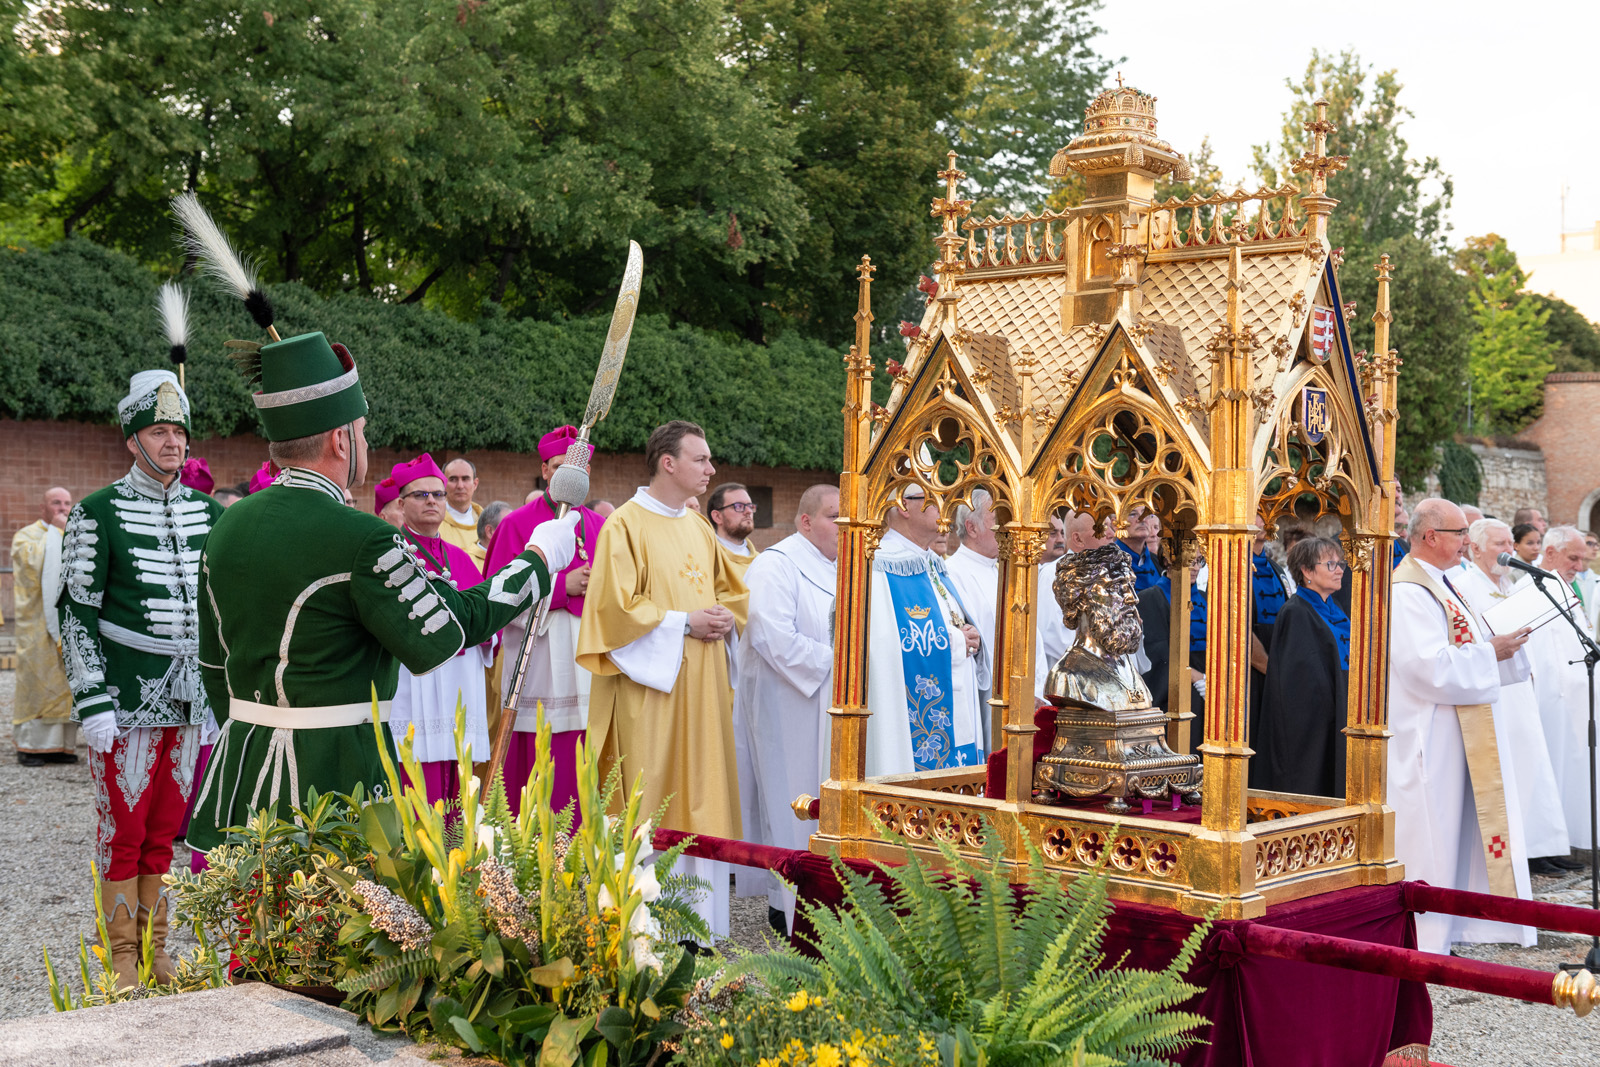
(825, 1056)
(727, 1039)
(799, 1001)
(766, 1061)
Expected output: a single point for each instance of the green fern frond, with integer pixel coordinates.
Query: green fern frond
(417, 963)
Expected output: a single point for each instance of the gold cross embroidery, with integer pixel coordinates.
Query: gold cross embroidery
(693, 573)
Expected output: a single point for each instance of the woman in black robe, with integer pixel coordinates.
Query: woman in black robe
(1302, 745)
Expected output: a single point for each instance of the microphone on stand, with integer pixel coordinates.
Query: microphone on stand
(569, 483)
(1505, 559)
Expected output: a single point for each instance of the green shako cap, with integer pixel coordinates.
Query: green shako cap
(308, 386)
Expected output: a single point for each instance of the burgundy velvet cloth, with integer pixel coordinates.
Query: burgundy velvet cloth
(1258, 1005)
(1409, 963)
(1420, 896)
(994, 782)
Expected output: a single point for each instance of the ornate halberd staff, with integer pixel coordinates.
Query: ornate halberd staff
(569, 484)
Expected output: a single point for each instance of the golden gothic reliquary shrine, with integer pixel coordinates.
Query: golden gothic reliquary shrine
(1189, 357)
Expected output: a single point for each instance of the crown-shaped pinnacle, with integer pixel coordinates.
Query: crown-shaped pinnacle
(1317, 162)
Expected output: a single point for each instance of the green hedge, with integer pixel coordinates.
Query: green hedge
(77, 319)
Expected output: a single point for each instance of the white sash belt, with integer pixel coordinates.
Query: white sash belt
(313, 718)
(156, 646)
(182, 680)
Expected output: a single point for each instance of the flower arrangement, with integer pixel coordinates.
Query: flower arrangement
(269, 893)
(516, 936)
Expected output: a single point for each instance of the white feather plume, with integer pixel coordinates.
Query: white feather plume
(203, 240)
(173, 303)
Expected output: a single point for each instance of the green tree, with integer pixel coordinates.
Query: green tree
(865, 85)
(1030, 70)
(1388, 203)
(1382, 192)
(1577, 340)
(1510, 353)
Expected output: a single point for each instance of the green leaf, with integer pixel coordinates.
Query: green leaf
(616, 1026)
(493, 961)
(560, 1048)
(380, 825)
(440, 1010)
(468, 1032)
(554, 974)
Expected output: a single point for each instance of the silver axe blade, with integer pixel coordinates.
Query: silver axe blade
(569, 484)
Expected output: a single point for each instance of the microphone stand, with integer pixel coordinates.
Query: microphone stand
(1591, 656)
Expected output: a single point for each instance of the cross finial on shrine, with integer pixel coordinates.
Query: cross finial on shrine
(1119, 79)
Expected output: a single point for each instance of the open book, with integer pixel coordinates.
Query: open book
(1529, 607)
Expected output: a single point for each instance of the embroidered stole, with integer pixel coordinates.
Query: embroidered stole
(1477, 735)
(925, 662)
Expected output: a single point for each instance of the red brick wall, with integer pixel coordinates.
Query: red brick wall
(35, 456)
(1567, 433)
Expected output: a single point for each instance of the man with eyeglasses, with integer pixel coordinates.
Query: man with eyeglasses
(1483, 584)
(1456, 819)
(924, 673)
(428, 701)
(733, 517)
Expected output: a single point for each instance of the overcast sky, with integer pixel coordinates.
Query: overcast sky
(1506, 96)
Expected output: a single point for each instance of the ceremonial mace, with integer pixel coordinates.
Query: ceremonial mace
(569, 484)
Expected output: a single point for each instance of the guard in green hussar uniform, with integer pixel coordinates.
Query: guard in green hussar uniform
(308, 605)
(129, 618)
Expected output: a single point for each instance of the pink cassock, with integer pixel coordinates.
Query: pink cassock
(554, 678)
(429, 702)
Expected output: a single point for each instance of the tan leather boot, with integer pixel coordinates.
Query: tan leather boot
(121, 903)
(153, 913)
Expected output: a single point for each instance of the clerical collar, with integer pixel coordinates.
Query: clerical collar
(433, 547)
(303, 478)
(978, 557)
(738, 548)
(141, 483)
(462, 518)
(643, 498)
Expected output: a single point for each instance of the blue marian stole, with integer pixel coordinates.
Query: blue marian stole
(1336, 619)
(919, 617)
(1267, 587)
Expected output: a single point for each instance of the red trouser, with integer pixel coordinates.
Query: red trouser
(141, 792)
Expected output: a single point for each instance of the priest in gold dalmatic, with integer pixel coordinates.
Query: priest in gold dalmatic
(662, 604)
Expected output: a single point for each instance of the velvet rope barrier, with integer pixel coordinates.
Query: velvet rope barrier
(1566, 918)
(1576, 991)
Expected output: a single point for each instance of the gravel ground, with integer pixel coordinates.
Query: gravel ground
(47, 899)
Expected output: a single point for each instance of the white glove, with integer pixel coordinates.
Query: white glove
(557, 541)
(1200, 686)
(100, 731)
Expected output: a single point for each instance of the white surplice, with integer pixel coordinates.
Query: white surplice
(889, 727)
(976, 580)
(1561, 686)
(1435, 816)
(783, 695)
(429, 703)
(1538, 791)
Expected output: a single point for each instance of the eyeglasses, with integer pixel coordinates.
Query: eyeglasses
(743, 509)
(1459, 533)
(423, 494)
(1334, 565)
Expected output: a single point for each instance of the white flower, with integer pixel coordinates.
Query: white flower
(644, 833)
(645, 881)
(644, 956)
(605, 900)
(644, 924)
(486, 836)
(438, 877)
